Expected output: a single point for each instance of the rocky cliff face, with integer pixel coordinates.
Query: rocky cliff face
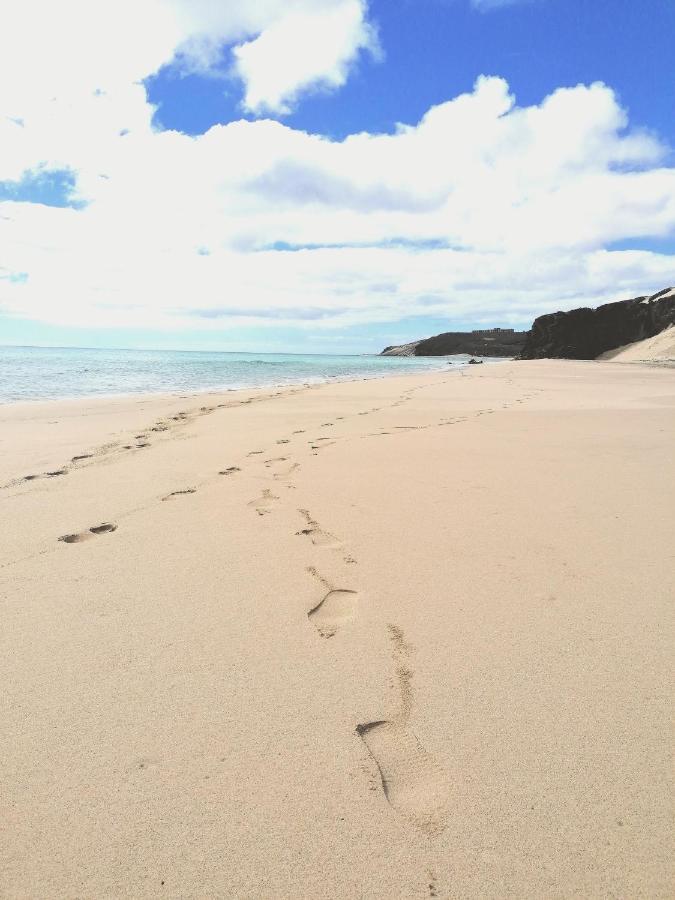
(586, 333)
(504, 343)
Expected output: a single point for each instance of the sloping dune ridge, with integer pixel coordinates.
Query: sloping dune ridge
(660, 348)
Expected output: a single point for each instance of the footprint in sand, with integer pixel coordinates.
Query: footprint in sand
(82, 456)
(336, 609)
(81, 536)
(317, 535)
(54, 474)
(190, 490)
(230, 470)
(413, 782)
(273, 460)
(285, 473)
(263, 504)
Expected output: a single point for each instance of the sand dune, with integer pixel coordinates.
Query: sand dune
(660, 348)
(401, 638)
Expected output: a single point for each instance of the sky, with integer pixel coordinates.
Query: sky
(328, 175)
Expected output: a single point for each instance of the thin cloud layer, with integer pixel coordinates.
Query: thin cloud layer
(482, 211)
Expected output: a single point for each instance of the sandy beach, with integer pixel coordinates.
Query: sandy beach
(400, 638)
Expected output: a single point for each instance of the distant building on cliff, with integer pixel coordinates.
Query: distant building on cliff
(493, 331)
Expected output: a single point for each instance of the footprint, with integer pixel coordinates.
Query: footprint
(284, 441)
(301, 431)
(286, 472)
(230, 470)
(255, 452)
(190, 490)
(336, 609)
(82, 456)
(413, 782)
(54, 474)
(318, 536)
(263, 503)
(105, 528)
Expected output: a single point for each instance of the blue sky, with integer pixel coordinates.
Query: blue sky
(435, 49)
(535, 171)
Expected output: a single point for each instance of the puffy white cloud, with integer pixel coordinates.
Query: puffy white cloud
(305, 48)
(482, 211)
(64, 50)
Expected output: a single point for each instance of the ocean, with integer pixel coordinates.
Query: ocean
(47, 373)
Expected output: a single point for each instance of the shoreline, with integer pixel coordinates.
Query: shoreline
(396, 637)
(320, 379)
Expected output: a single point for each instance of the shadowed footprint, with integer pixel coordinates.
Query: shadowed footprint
(81, 536)
(336, 609)
(54, 474)
(190, 490)
(82, 456)
(230, 470)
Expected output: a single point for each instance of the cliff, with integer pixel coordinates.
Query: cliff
(586, 333)
(496, 343)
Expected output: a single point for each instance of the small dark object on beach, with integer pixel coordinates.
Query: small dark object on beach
(475, 362)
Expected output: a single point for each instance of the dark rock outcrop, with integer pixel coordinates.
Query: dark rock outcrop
(495, 342)
(586, 333)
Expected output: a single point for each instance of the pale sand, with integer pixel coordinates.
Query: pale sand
(417, 645)
(660, 348)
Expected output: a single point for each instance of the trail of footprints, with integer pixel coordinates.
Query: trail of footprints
(411, 780)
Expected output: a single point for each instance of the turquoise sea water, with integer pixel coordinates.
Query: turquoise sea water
(39, 373)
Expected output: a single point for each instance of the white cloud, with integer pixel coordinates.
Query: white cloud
(482, 211)
(303, 49)
(65, 50)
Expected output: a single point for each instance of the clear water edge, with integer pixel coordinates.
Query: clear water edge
(55, 373)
